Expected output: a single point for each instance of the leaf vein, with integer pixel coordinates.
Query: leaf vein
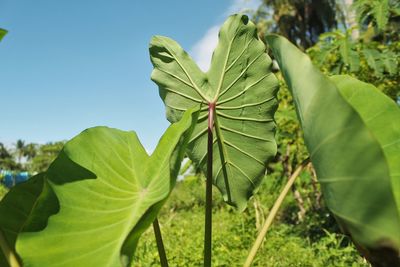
(240, 170)
(242, 118)
(245, 134)
(240, 75)
(243, 152)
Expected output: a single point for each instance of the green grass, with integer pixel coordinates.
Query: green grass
(314, 241)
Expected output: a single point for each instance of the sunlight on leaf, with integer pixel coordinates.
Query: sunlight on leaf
(102, 192)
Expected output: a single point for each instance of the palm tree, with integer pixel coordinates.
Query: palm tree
(4, 153)
(30, 151)
(19, 149)
(6, 159)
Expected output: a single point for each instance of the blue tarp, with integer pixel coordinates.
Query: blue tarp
(9, 179)
(21, 177)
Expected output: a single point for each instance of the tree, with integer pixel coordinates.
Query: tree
(19, 149)
(4, 153)
(381, 18)
(44, 156)
(372, 56)
(30, 151)
(300, 21)
(7, 161)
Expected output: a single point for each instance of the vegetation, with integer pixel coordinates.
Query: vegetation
(299, 21)
(132, 184)
(349, 130)
(315, 241)
(223, 121)
(33, 158)
(372, 54)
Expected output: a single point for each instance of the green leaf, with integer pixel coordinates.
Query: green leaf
(380, 62)
(349, 56)
(243, 88)
(25, 208)
(353, 139)
(396, 11)
(109, 191)
(380, 11)
(389, 60)
(373, 58)
(2, 33)
(381, 116)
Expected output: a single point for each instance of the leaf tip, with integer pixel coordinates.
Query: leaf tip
(2, 33)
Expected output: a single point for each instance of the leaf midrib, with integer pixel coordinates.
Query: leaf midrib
(223, 70)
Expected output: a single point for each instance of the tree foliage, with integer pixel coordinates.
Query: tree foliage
(371, 61)
(40, 156)
(382, 15)
(7, 160)
(30, 157)
(300, 21)
(374, 55)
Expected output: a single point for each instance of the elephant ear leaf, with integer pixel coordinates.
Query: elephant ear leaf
(109, 191)
(382, 117)
(25, 208)
(352, 133)
(241, 87)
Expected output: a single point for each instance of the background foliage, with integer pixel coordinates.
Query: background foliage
(313, 241)
(30, 157)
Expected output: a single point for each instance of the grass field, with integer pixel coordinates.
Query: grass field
(314, 241)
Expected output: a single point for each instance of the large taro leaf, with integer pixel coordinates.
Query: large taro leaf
(243, 89)
(352, 133)
(109, 191)
(25, 208)
(382, 116)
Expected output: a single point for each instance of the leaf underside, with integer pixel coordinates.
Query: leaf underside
(352, 133)
(243, 89)
(107, 190)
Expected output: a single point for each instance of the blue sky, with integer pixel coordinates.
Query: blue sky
(70, 65)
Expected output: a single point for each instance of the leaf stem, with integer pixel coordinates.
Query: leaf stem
(273, 213)
(160, 244)
(208, 214)
(8, 252)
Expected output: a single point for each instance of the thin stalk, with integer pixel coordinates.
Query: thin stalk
(8, 252)
(272, 214)
(160, 244)
(208, 215)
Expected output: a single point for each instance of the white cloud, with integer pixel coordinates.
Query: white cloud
(243, 6)
(203, 49)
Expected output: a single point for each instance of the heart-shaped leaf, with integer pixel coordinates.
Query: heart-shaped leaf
(352, 132)
(108, 192)
(243, 90)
